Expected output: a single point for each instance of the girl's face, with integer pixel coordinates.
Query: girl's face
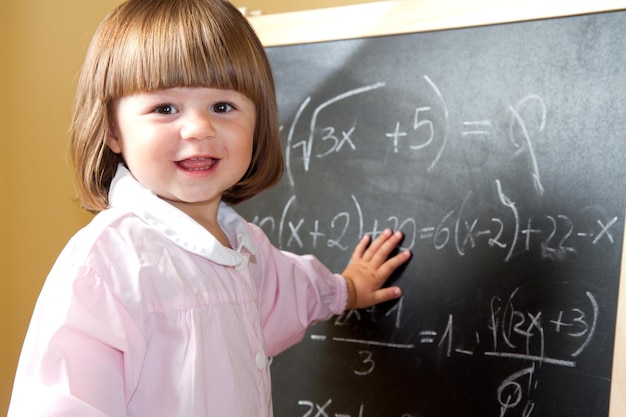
(187, 145)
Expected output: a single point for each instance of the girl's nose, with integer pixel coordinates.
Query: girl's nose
(198, 125)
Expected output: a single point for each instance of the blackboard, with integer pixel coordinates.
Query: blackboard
(500, 152)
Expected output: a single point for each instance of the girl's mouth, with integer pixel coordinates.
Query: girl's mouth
(197, 164)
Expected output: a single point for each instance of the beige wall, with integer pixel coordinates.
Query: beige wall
(41, 47)
(280, 6)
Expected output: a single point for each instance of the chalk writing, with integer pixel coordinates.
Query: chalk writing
(511, 392)
(317, 410)
(329, 132)
(422, 135)
(516, 334)
(554, 235)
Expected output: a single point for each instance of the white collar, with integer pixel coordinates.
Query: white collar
(128, 194)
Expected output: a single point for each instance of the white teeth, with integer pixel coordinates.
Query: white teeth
(197, 164)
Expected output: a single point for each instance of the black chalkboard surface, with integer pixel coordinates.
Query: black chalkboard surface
(500, 151)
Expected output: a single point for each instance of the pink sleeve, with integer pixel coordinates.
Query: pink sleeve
(294, 293)
(78, 331)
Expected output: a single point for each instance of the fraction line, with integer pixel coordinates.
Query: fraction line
(543, 359)
(374, 343)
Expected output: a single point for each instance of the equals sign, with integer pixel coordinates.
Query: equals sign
(477, 128)
(427, 232)
(427, 336)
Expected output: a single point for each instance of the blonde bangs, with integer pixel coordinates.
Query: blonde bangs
(168, 47)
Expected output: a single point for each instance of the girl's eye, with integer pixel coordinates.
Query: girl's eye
(222, 108)
(166, 109)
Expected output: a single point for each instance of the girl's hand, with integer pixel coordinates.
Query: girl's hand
(369, 269)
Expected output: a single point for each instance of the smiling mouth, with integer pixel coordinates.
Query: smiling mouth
(197, 164)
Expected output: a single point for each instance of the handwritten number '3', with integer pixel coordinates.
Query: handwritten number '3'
(367, 360)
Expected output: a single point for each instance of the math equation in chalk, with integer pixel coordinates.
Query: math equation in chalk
(532, 337)
(554, 235)
(427, 129)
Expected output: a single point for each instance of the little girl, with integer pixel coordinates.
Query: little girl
(168, 303)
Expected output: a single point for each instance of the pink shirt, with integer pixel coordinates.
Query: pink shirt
(145, 314)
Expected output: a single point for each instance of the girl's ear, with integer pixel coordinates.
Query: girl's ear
(112, 141)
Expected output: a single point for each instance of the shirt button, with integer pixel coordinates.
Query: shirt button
(261, 360)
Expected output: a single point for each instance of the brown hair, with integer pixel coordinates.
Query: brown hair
(144, 45)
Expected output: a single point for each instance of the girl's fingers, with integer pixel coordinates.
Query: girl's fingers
(387, 294)
(382, 247)
(387, 268)
(360, 248)
(376, 253)
(371, 250)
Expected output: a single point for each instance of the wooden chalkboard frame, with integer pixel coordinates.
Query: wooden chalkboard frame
(397, 17)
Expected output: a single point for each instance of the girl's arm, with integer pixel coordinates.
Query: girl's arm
(369, 269)
(76, 358)
(296, 291)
